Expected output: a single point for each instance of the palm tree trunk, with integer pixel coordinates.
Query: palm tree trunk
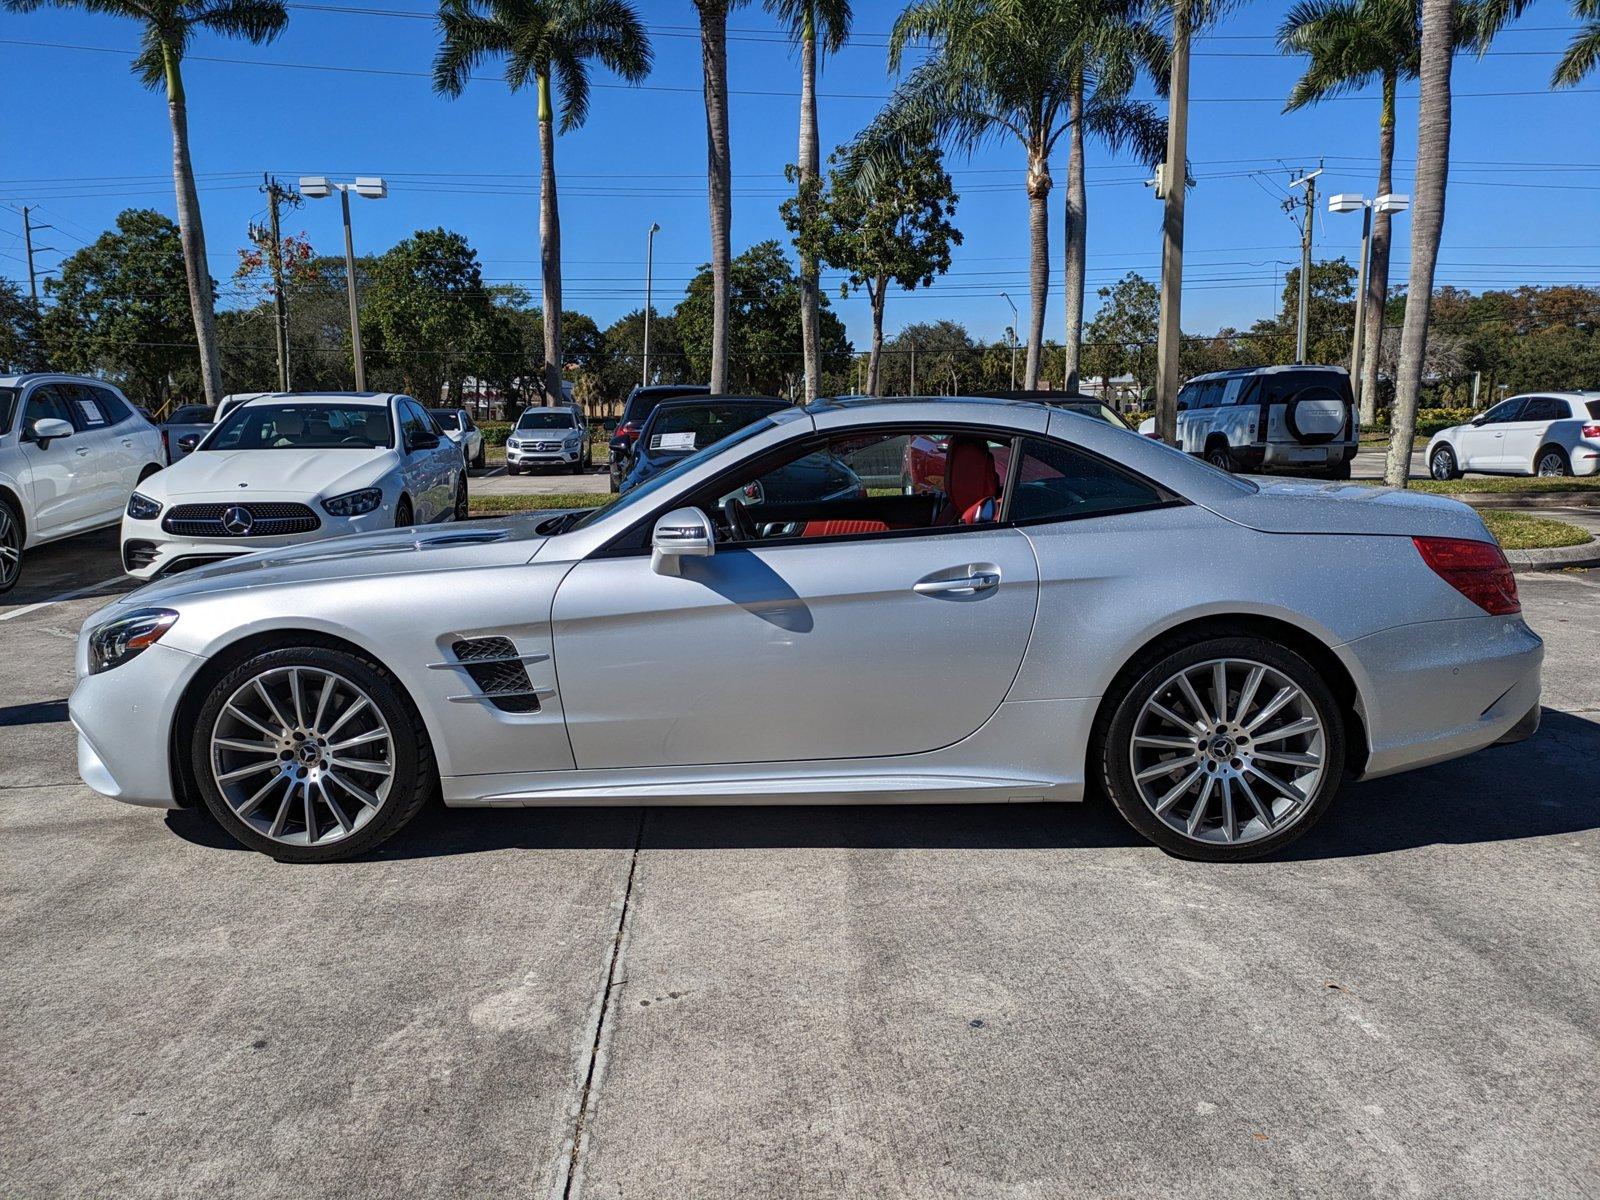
(191, 232)
(549, 245)
(877, 292)
(1378, 276)
(1077, 239)
(1039, 265)
(1427, 223)
(719, 176)
(809, 169)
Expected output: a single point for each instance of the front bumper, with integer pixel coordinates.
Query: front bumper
(123, 717)
(1440, 689)
(150, 552)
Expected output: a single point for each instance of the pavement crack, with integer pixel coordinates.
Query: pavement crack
(567, 1190)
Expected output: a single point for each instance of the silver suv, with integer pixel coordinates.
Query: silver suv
(1294, 418)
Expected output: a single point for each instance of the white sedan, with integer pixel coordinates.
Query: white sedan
(282, 469)
(1552, 433)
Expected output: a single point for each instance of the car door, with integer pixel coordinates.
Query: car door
(841, 645)
(417, 461)
(1523, 437)
(119, 453)
(448, 463)
(1480, 443)
(61, 481)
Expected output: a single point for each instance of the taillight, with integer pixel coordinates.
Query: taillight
(1478, 570)
(1591, 431)
(626, 431)
(166, 448)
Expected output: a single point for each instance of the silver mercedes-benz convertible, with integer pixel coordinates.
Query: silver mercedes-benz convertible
(856, 602)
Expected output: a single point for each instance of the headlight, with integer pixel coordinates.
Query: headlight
(514, 443)
(142, 508)
(353, 504)
(115, 642)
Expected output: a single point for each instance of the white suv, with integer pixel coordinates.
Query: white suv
(71, 452)
(549, 437)
(1294, 418)
(1551, 433)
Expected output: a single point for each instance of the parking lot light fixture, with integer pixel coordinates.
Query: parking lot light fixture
(371, 187)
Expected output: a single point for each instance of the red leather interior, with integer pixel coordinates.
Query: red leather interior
(981, 512)
(841, 528)
(970, 477)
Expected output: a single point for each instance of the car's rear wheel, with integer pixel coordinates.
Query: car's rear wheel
(461, 505)
(11, 538)
(1552, 461)
(1219, 457)
(1340, 469)
(481, 459)
(310, 755)
(1225, 750)
(1442, 464)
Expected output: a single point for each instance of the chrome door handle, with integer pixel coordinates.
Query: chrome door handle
(83, 452)
(964, 585)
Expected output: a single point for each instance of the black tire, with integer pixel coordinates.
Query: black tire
(149, 470)
(615, 482)
(12, 536)
(512, 469)
(462, 505)
(415, 776)
(1115, 726)
(481, 459)
(1340, 470)
(1442, 464)
(1552, 461)
(403, 515)
(1219, 456)
(577, 467)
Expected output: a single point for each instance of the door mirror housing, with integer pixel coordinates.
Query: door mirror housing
(47, 429)
(682, 533)
(422, 441)
(188, 442)
(1480, 418)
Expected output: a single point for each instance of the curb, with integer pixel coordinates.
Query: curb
(1554, 558)
(1585, 499)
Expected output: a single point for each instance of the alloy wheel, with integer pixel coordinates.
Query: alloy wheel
(1228, 752)
(1440, 466)
(302, 755)
(10, 549)
(1552, 464)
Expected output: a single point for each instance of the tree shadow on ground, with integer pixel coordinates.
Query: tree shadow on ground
(1537, 788)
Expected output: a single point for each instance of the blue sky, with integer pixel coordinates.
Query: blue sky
(1522, 206)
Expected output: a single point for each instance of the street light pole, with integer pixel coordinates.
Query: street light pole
(1388, 203)
(649, 263)
(318, 187)
(1016, 318)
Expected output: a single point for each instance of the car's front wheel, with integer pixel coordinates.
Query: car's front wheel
(1224, 750)
(402, 513)
(310, 754)
(1442, 464)
(481, 459)
(10, 545)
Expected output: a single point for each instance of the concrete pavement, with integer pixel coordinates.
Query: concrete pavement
(968, 1001)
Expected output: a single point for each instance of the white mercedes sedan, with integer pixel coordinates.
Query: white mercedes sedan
(1054, 606)
(286, 468)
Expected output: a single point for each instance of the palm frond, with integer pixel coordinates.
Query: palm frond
(1583, 52)
(572, 81)
(466, 39)
(1128, 126)
(937, 104)
(257, 21)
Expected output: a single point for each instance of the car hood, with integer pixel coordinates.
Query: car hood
(1298, 506)
(506, 541)
(225, 473)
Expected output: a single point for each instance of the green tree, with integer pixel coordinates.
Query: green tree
(1122, 336)
(930, 358)
(896, 230)
(812, 24)
(427, 304)
(625, 352)
(1583, 52)
(763, 351)
(120, 308)
(166, 29)
(547, 43)
(19, 330)
(1330, 316)
(999, 68)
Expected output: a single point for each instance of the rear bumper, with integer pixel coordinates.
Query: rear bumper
(1585, 458)
(1273, 456)
(1440, 689)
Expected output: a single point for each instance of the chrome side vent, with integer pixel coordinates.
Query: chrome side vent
(495, 666)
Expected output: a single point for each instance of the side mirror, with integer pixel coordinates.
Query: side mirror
(188, 442)
(424, 441)
(1480, 418)
(682, 533)
(48, 429)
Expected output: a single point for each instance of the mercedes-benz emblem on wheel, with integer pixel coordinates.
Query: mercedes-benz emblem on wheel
(238, 521)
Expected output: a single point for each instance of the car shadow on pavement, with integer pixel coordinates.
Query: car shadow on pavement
(1537, 788)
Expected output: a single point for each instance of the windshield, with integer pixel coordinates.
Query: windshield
(446, 418)
(685, 430)
(8, 408)
(302, 427)
(546, 420)
(648, 488)
(192, 414)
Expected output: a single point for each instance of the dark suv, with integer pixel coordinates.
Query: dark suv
(636, 411)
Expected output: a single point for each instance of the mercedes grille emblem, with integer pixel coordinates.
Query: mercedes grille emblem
(238, 521)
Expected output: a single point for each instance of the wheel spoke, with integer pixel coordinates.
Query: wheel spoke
(311, 816)
(333, 807)
(1285, 694)
(1166, 714)
(322, 702)
(1276, 783)
(1292, 760)
(297, 699)
(359, 704)
(1193, 698)
(1198, 812)
(1171, 797)
(1262, 810)
(250, 805)
(1219, 688)
(246, 772)
(1293, 729)
(1230, 825)
(276, 829)
(269, 748)
(272, 705)
(365, 765)
(360, 793)
(377, 735)
(1247, 693)
(235, 711)
(1165, 743)
(1166, 767)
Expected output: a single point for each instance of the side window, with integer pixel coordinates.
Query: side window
(47, 401)
(1211, 393)
(87, 410)
(414, 423)
(1231, 390)
(111, 405)
(1543, 408)
(1186, 396)
(1506, 410)
(1056, 482)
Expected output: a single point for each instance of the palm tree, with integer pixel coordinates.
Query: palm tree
(547, 43)
(719, 176)
(1351, 44)
(167, 27)
(808, 21)
(997, 68)
(1583, 52)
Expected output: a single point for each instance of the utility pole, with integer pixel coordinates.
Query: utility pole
(649, 264)
(1309, 203)
(913, 390)
(276, 193)
(27, 237)
(1171, 180)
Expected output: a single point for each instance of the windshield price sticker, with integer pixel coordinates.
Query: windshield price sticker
(672, 441)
